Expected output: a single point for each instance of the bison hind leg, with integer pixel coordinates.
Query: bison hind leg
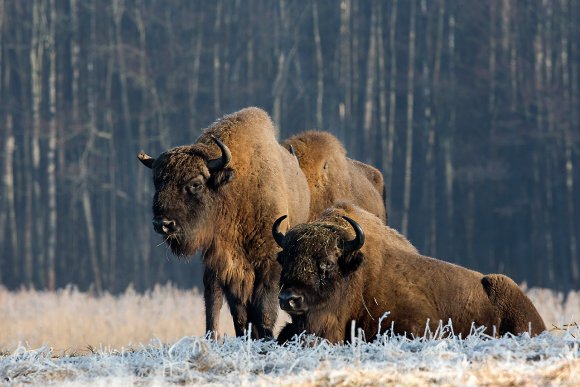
(514, 309)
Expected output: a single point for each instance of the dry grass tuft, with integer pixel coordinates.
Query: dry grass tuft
(76, 323)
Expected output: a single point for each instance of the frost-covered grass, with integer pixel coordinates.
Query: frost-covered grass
(547, 359)
(71, 321)
(72, 338)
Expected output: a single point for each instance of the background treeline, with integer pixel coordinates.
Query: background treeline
(470, 108)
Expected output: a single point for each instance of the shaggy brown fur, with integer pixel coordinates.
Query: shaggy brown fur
(324, 288)
(228, 213)
(333, 177)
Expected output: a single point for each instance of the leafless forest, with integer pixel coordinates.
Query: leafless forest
(470, 108)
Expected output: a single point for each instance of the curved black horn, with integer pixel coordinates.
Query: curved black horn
(292, 152)
(222, 161)
(146, 159)
(359, 239)
(278, 236)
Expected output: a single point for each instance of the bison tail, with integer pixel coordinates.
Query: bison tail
(515, 310)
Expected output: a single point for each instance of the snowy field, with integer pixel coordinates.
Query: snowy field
(552, 358)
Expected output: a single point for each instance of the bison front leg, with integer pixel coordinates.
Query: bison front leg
(213, 297)
(288, 332)
(263, 311)
(263, 314)
(239, 313)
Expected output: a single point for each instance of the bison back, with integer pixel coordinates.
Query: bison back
(333, 177)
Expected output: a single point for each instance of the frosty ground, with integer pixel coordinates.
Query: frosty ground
(75, 338)
(551, 358)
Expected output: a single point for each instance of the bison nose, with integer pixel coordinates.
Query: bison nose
(165, 226)
(290, 301)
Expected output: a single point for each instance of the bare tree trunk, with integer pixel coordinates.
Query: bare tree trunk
(537, 202)
(84, 170)
(430, 121)
(9, 149)
(355, 53)
(36, 64)
(142, 195)
(388, 163)
(509, 49)
(370, 86)
(7, 211)
(111, 211)
(383, 117)
(573, 103)
(345, 106)
(435, 121)
(27, 175)
(410, 105)
(194, 80)
(74, 60)
(549, 159)
(319, 66)
(492, 65)
(118, 8)
(448, 141)
(51, 154)
(250, 63)
(284, 61)
(567, 139)
(216, 61)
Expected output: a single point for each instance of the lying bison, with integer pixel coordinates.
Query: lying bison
(331, 277)
(221, 195)
(333, 177)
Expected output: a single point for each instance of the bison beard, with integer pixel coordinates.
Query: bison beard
(326, 283)
(201, 203)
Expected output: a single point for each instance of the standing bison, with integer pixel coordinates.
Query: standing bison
(221, 195)
(348, 266)
(333, 177)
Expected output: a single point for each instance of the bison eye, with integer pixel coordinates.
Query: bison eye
(193, 187)
(326, 265)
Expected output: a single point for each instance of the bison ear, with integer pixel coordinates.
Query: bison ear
(146, 159)
(221, 178)
(350, 262)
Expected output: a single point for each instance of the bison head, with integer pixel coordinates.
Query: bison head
(316, 258)
(187, 182)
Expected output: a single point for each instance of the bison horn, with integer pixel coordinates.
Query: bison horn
(359, 239)
(146, 159)
(292, 152)
(278, 236)
(222, 161)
